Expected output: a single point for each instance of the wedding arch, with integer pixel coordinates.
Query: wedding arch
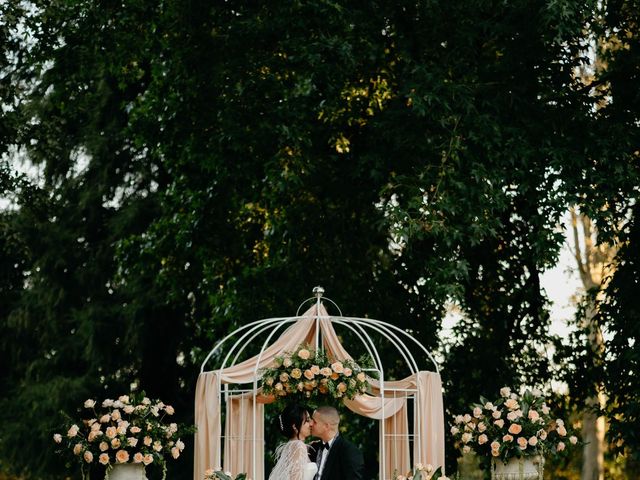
(232, 392)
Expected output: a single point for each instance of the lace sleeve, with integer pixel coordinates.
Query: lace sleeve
(291, 458)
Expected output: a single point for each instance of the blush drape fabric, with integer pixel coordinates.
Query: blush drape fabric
(388, 404)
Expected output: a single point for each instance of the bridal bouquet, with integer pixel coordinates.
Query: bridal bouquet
(307, 373)
(513, 426)
(131, 429)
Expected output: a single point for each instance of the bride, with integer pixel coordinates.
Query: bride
(292, 457)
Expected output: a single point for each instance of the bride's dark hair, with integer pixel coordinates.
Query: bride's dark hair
(291, 419)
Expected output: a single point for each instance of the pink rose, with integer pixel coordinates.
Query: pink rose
(511, 404)
(522, 443)
(533, 441)
(169, 409)
(499, 423)
(122, 456)
(315, 369)
(148, 458)
(560, 446)
(175, 452)
(515, 429)
(497, 414)
(137, 458)
(533, 415)
(507, 438)
(304, 354)
(573, 439)
(77, 449)
(103, 458)
(482, 439)
(337, 367)
(88, 456)
(347, 372)
(73, 431)
(495, 445)
(477, 412)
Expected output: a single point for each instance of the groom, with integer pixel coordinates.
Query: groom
(337, 458)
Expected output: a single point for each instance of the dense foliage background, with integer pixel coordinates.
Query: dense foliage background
(194, 165)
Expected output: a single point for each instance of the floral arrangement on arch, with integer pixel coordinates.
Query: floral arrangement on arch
(308, 374)
(513, 426)
(422, 472)
(131, 429)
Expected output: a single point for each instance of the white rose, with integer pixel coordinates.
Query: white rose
(505, 392)
(573, 439)
(89, 403)
(73, 431)
(57, 438)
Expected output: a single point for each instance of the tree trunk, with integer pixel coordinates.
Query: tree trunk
(593, 262)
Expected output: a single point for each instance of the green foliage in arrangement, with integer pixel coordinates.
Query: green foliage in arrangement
(192, 166)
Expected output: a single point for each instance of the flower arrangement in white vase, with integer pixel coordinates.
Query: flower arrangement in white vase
(131, 430)
(515, 431)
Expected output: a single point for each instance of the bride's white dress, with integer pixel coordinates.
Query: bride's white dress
(292, 462)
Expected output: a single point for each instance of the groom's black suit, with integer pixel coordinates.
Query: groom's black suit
(344, 460)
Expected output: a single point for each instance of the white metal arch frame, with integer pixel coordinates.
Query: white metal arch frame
(358, 326)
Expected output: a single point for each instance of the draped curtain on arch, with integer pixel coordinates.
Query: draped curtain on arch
(244, 422)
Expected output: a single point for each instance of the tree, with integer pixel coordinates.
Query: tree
(192, 184)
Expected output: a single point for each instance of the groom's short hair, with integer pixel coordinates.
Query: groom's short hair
(329, 414)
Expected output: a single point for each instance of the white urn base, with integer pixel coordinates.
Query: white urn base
(526, 468)
(126, 471)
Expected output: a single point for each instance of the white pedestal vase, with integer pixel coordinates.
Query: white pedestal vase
(526, 468)
(126, 471)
